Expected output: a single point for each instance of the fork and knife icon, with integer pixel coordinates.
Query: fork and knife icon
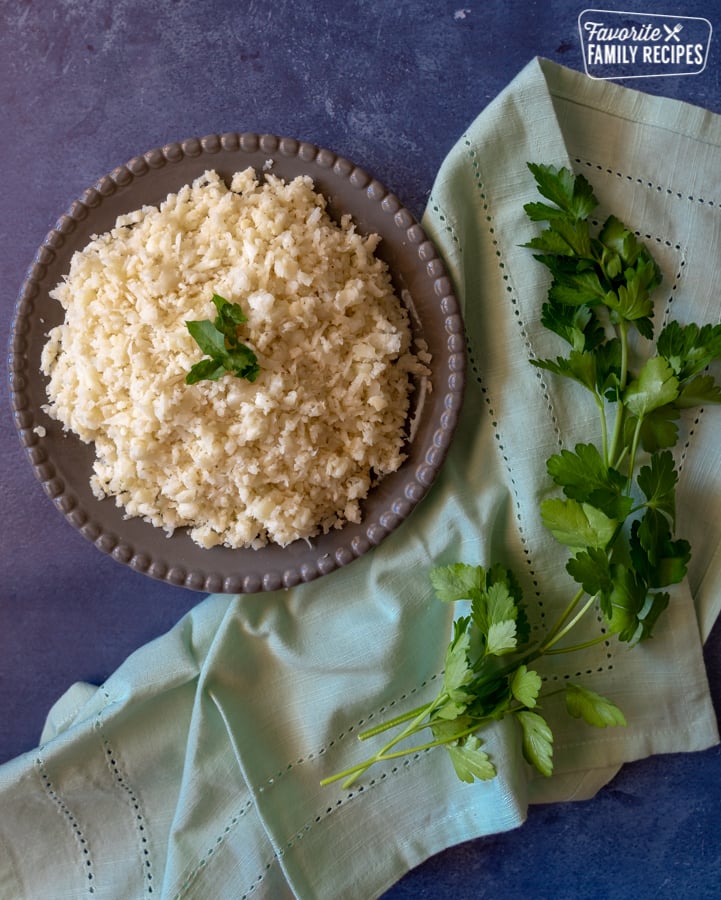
(673, 32)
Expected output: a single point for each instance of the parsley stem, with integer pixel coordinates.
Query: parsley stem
(531, 653)
(555, 638)
(563, 617)
(623, 331)
(599, 639)
(623, 378)
(351, 773)
(425, 711)
(604, 427)
(439, 742)
(391, 723)
(634, 449)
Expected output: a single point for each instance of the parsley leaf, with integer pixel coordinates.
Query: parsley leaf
(689, 348)
(698, 391)
(525, 686)
(579, 288)
(594, 709)
(619, 240)
(577, 524)
(631, 611)
(470, 762)
(632, 300)
(580, 366)
(573, 195)
(500, 605)
(658, 558)
(564, 239)
(576, 324)
(657, 430)
(591, 569)
(656, 386)
(501, 637)
(205, 370)
(496, 613)
(458, 672)
(622, 605)
(658, 483)
(536, 741)
(584, 476)
(219, 341)
(457, 582)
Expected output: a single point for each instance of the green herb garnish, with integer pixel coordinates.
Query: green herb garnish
(616, 512)
(220, 343)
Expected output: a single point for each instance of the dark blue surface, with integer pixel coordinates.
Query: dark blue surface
(84, 86)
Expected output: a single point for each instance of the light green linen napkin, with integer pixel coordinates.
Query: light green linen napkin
(194, 770)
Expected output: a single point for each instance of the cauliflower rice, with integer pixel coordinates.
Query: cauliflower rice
(238, 463)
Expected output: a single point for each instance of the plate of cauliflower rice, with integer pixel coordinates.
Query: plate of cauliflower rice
(237, 363)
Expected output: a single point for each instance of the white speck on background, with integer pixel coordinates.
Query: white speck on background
(461, 14)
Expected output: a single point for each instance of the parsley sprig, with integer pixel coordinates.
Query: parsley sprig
(219, 340)
(616, 508)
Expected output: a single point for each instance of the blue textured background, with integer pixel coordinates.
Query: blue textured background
(84, 86)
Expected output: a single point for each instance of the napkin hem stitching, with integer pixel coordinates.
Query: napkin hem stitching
(471, 158)
(120, 778)
(201, 864)
(643, 182)
(66, 813)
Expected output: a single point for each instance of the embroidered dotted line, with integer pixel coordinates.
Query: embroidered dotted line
(111, 760)
(651, 185)
(606, 667)
(442, 217)
(272, 780)
(691, 434)
(502, 450)
(601, 667)
(484, 391)
(674, 285)
(72, 821)
(220, 839)
(699, 413)
(398, 768)
(352, 729)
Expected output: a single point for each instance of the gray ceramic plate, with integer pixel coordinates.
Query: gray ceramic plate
(63, 463)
